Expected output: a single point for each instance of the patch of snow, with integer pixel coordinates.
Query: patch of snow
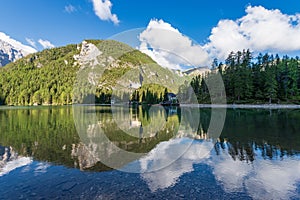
(12, 50)
(16, 44)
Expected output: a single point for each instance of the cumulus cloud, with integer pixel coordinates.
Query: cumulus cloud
(170, 48)
(102, 9)
(70, 8)
(46, 44)
(31, 42)
(259, 30)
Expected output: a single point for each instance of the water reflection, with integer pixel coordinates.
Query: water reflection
(111, 137)
(169, 175)
(43, 133)
(276, 178)
(260, 179)
(257, 153)
(10, 160)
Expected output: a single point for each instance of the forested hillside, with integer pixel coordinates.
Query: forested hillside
(48, 77)
(263, 79)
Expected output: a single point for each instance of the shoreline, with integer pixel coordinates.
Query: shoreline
(244, 106)
(231, 106)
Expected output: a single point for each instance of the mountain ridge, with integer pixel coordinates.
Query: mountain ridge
(12, 50)
(48, 77)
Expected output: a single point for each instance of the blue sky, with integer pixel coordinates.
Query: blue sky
(64, 22)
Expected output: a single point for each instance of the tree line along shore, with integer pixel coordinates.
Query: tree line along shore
(264, 79)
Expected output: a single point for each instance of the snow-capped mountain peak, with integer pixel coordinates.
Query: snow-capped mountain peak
(12, 50)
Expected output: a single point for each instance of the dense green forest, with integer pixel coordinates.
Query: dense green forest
(46, 77)
(263, 79)
(150, 94)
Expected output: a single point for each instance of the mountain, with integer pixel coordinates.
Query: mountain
(12, 50)
(197, 71)
(94, 70)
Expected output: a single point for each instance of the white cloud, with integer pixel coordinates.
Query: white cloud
(259, 30)
(102, 9)
(18, 45)
(170, 48)
(46, 44)
(31, 42)
(70, 8)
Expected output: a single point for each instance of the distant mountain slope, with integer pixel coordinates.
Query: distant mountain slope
(48, 77)
(12, 50)
(197, 71)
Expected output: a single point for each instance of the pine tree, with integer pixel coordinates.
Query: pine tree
(270, 84)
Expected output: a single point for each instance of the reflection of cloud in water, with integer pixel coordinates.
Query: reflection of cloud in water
(10, 160)
(41, 168)
(14, 164)
(231, 173)
(164, 155)
(274, 179)
(261, 179)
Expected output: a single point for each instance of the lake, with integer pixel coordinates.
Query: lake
(103, 152)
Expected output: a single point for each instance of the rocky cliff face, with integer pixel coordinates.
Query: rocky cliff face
(197, 71)
(104, 60)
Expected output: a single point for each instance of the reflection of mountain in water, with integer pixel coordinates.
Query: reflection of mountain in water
(109, 133)
(85, 160)
(10, 160)
(46, 134)
(49, 134)
(256, 149)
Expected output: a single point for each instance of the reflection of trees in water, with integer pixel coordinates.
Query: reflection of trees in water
(236, 150)
(249, 133)
(49, 134)
(157, 126)
(271, 134)
(277, 128)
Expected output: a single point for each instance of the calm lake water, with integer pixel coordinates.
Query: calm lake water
(173, 153)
